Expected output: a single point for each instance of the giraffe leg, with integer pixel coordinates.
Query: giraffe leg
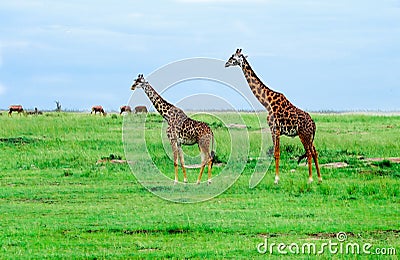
(305, 140)
(309, 159)
(204, 145)
(200, 174)
(202, 166)
(315, 156)
(209, 170)
(276, 155)
(209, 160)
(182, 160)
(175, 151)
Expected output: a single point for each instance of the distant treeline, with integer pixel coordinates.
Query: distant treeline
(324, 111)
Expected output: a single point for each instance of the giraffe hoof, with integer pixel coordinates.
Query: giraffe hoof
(320, 180)
(276, 180)
(198, 182)
(209, 182)
(310, 180)
(185, 180)
(175, 182)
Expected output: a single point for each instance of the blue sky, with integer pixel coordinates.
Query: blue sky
(323, 55)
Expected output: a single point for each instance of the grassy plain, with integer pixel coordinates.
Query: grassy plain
(57, 201)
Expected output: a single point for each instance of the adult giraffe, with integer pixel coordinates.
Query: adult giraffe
(181, 130)
(283, 117)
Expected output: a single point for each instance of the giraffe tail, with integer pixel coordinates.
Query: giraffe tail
(301, 157)
(212, 158)
(212, 154)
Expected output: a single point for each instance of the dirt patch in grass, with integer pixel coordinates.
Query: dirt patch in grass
(330, 235)
(379, 159)
(335, 165)
(371, 160)
(195, 166)
(322, 235)
(236, 126)
(331, 165)
(112, 159)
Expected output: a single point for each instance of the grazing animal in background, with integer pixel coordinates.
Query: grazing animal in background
(36, 112)
(15, 108)
(125, 109)
(140, 109)
(283, 117)
(181, 130)
(99, 109)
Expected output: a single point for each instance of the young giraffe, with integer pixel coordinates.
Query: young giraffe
(181, 130)
(283, 117)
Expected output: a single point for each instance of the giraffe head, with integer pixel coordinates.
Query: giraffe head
(236, 59)
(140, 82)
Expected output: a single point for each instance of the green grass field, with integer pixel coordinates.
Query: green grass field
(58, 201)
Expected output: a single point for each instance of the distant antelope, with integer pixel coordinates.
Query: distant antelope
(15, 108)
(141, 109)
(36, 112)
(99, 109)
(125, 109)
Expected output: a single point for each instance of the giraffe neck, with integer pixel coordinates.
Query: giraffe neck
(161, 105)
(259, 89)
